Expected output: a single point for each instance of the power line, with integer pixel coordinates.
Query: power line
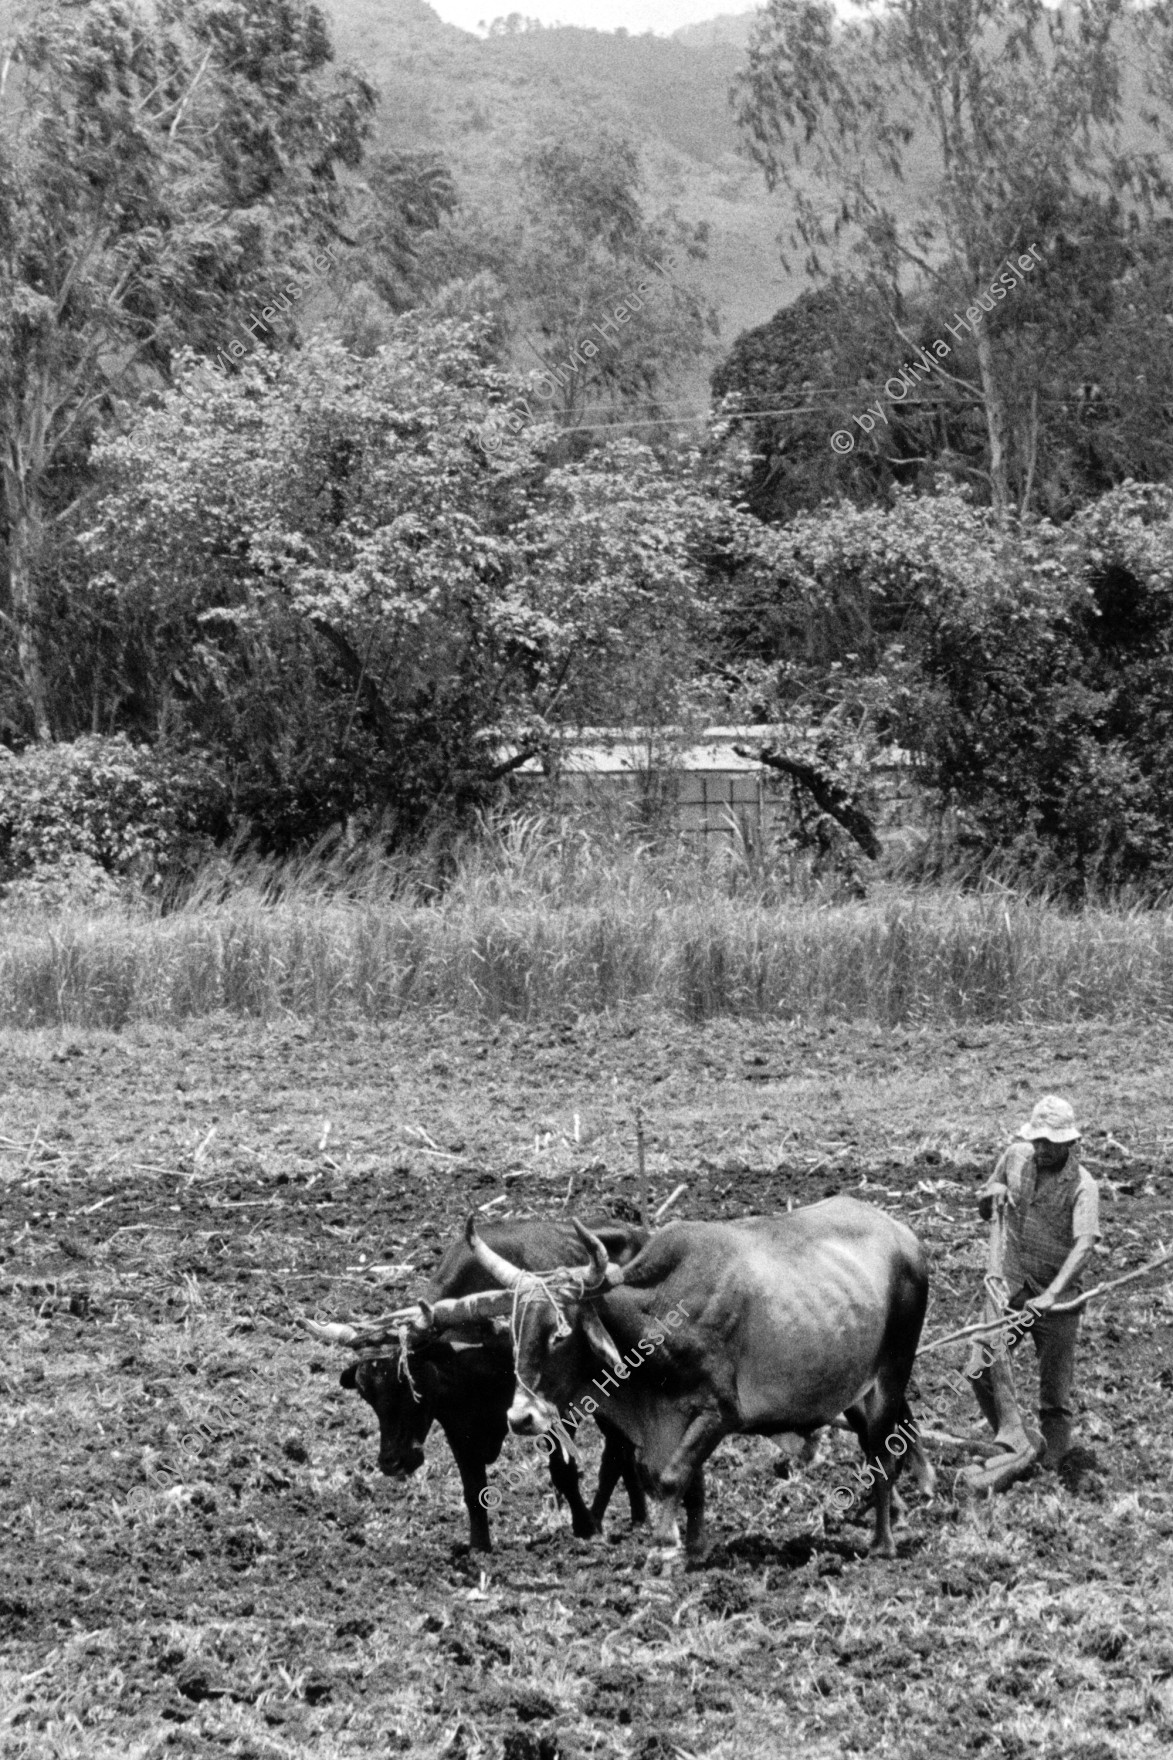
(669, 420)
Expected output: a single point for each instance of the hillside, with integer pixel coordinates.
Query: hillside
(477, 100)
(730, 27)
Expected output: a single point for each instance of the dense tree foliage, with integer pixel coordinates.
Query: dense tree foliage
(1026, 669)
(1004, 354)
(120, 807)
(170, 176)
(593, 288)
(325, 576)
(355, 566)
(1089, 351)
(1008, 116)
(807, 371)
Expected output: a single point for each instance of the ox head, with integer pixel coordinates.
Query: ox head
(557, 1333)
(403, 1389)
(401, 1393)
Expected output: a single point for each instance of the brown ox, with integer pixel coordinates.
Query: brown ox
(768, 1326)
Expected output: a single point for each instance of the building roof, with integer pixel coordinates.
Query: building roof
(627, 751)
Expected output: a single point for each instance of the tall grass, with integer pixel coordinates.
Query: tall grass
(540, 920)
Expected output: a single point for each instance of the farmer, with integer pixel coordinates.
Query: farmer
(1052, 1214)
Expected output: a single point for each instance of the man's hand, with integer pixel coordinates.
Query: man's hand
(1066, 1274)
(995, 1194)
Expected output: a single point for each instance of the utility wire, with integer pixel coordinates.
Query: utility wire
(670, 420)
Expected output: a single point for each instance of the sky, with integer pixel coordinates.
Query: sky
(663, 16)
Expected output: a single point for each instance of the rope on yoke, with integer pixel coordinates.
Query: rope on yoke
(556, 1288)
(405, 1362)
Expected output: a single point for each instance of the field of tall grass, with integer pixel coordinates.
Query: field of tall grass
(539, 920)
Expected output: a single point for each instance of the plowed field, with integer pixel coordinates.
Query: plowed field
(201, 1559)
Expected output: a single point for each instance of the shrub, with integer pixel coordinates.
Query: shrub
(132, 810)
(73, 883)
(1027, 669)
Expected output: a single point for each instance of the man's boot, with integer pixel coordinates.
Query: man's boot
(1057, 1437)
(1016, 1448)
(1006, 1421)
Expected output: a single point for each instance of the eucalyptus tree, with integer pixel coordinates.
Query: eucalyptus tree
(161, 169)
(591, 289)
(601, 287)
(945, 143)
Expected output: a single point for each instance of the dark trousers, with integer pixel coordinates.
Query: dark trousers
(1054, 1336)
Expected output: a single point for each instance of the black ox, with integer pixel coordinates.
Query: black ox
(778, 1324)
(463, 1379)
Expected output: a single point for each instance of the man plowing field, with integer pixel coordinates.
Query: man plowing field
(1045, 1214)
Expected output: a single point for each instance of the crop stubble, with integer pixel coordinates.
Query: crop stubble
(200, 1557)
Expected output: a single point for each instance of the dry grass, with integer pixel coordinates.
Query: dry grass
(540, 921)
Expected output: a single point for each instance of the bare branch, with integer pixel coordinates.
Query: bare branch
(828, 795)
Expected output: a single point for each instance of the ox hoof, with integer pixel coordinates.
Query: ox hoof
(665, 1561)
(882, 1549)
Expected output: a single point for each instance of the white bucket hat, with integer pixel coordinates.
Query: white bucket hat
(1052, 1118)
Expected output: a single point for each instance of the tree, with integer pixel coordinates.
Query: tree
(599, 283)
(818, 361)
(591, 287)
(405, 197)
(512, 26)
(1088, 381)
(1101, 355)
(1024, 665)
(997, 117)
(337, 590)
(159, 171)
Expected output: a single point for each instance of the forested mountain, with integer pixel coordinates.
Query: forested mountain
(730, 27)
(478, 101)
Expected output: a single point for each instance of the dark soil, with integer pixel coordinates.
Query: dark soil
(200, 1558)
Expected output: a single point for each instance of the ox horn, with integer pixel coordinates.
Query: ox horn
(424, 1320)
(601, 1267)
(331, 1333)
(487, 1305)
(507, 1275)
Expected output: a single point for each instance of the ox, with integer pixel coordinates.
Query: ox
(767, 1326)
(463, 1378)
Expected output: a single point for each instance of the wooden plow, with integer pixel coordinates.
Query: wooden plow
(1016, 1448)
